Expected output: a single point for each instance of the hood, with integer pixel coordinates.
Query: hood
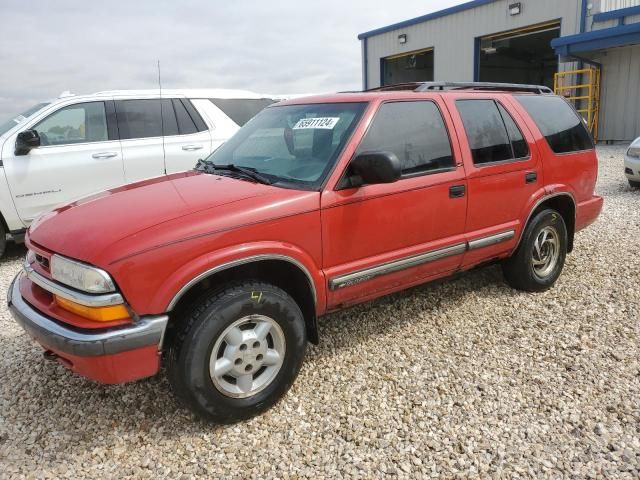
(85, 228)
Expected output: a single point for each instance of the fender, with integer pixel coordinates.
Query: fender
(180, 281)
(537, 199)
(7, 206)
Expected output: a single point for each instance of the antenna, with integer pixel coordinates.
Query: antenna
(164, 153)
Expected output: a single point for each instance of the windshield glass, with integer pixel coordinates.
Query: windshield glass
(294, 145)
(5, 126)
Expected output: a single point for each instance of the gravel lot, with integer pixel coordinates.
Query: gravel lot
(461, 378)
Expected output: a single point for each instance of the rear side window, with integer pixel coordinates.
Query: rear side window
(139, 118)
(492, 133)
(415, 132)
(241, 110)
(563, 128)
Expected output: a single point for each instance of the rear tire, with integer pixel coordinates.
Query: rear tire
(539, 259)
(237, 351)
(634, 184)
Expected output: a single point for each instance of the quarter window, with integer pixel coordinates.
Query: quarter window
(415, 132)
(79, 123)
(241, 110)
(562, 127)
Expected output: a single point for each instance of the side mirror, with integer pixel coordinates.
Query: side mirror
(370, 168)
(26, 141)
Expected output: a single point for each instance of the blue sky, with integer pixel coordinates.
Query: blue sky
(271, 47)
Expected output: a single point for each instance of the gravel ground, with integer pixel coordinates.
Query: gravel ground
(464, 378)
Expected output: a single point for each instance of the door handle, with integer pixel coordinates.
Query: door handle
(191, 148)
(457, 191)
(103, 155)
(530, 177)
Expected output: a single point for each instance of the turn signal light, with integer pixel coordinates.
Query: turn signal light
(98, 314)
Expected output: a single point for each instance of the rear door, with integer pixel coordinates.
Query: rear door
(381, 238)
(187, 136)
(503, 173)
(79, 154)
(140, 126)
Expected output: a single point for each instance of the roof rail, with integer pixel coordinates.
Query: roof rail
(412, 86)
(484, 86)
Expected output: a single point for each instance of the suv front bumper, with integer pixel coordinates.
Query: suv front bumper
(113, 355)
(632, 168)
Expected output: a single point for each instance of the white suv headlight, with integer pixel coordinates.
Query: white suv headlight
(634, 152)
(81, 276)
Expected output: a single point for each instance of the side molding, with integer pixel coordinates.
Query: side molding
(390, 267)
(236, 263)
(370, 273)
(491, 240)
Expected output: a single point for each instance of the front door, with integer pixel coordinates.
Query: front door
(381, 238)
(79, 155)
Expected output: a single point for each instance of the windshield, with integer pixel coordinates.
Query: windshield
(294, 145)
(5, 126)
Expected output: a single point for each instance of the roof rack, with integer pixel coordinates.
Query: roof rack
(508, 87)
(398, 86)
(481, 86)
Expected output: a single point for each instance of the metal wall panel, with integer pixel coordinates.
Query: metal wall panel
(620, 103)
(453, 36)
(609, 5)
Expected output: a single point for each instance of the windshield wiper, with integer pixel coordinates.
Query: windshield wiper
(210, 167)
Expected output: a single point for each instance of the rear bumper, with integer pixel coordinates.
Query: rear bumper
(587, 212)
(113, 355)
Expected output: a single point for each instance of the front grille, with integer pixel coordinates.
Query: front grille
(43, 261)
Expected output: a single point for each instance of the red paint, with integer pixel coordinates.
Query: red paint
(155, 236)
(111, 369)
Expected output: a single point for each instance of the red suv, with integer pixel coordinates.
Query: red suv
(316, 204)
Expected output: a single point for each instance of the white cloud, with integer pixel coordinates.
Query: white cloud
(288, 47)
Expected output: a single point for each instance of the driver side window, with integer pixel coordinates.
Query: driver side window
(79, 123)
(415, 131)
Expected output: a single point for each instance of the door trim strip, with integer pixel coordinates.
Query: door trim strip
(491, 240)
(397, 265)
(366, 274)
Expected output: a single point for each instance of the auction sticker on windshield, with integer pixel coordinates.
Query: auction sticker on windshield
(327, 123)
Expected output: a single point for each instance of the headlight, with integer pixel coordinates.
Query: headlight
(634, 152)
(81, 276)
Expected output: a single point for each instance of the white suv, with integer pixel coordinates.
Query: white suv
(632, 164)
(73, 146)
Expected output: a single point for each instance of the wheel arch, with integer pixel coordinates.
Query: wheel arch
(565, 204)
(283, 271)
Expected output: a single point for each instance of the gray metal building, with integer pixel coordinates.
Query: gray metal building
(525, 41)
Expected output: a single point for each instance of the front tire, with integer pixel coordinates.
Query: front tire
(237, 352)
(634, 184)
(3, 239)
(539, 259)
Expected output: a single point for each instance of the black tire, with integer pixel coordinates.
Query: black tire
(199, 330)
(3, 239)
(634, 184)
(519, 270)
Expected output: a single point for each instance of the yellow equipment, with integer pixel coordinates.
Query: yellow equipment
(582, 88)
